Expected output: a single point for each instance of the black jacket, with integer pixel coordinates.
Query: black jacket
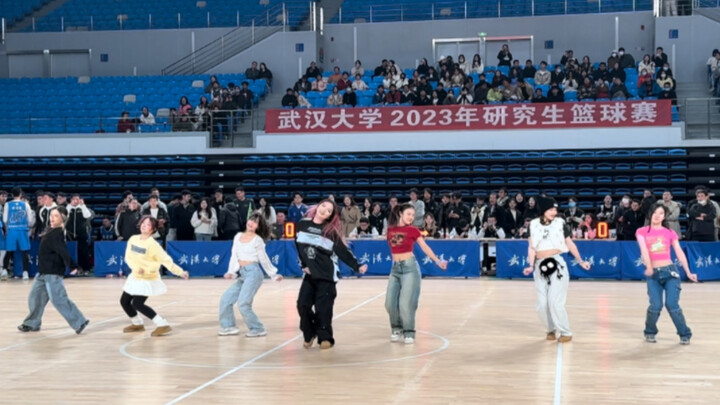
(634, 220)
(53, 256)
(181, 221)
(702, 229)
(316, 252)
(161, 215)
(77, 225)
(127, 224)
(229, 221)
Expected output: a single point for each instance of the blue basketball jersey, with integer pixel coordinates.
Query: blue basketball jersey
(17, 217)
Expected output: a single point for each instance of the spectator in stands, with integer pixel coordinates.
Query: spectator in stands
(567, 56)
(408, 96)
(633, 220)
(379, 96)
(646, 64)
(363, 230)
(514, 218)
(520, 202)
(573, 215)
(350, 215)
(539, 97)
(185, 124)
(277, 231)
(43, 212)
(61, 199)
(297, 209)
(393, 97)
(613, 59)
(245, 100)
(607, 211)
(344, 82)
(542, 76)
(620, 222)
(431, 205)
(619, 90)
(465, 97)
(418, 205)
(570, 84)
(202, 114)
(335, 76)
(430, 228)
(366, 208)
(494, 94)
(557, 76)
(205, 221)
(122, 206)
(477, 65)
(713, 70)
(423, 68)
(601, 89)
(185, 107)
(228, 224)
(319, 84)
(335, 98)
(477, 214)
(377, 218)
(516, 71)
(509, 92)
(349, 98)
(644, 76)
(211, 86)
(531, 210)
(380, 70)
(312, 71)
(126, 224)
(432, 75)
(480, 93)
(647, 201)
(252, 72)
(673, 216)
(602, 73)
(245, 206)
(146, 117)
(446, 80)
(458, 214)
(529, 70)
(458, 78)
(587, 90)
(401, 81)
(423, 85)
(302, 85)
(555, 95)
(663, 79)
(449, 99)
(218, 200)
(289, 99)
(586, 66)
(302, 101)
(462, 64)
(617, 73)
(587, 229)
(76, 229)
(266, 74)
(441, 93)
(504, 56)
(357, 69)
(422, 99)
(106, 231)
(181, 217)
(154, 210)
(125, 124)
(703, 215)
(216, 92)
(359, 84)
(491, 229)
(668, 93)
(626, 60)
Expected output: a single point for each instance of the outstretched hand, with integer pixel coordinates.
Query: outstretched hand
(230, 276)
(363, 269)
(443, 265)
(585, 265)
(527, 271)
(692, 277)
(185, 275)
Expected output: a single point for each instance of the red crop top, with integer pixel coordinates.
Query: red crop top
(402, 238)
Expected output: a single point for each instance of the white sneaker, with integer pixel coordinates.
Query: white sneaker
(409, 340)
(395, 337)
(3, 275)
(256, 334)
(26, 276)
(228, 331)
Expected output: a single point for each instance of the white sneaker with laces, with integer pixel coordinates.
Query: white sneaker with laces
(256, 334)
(395, 337)
(26, 276)
(228, 331)
(3, 275)
(409, 340)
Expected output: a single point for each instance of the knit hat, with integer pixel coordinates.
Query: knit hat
(545, 203)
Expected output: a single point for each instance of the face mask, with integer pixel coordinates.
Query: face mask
(621, 53)
(665, 68)
(703, 202)
(614, 55)
(625, 200)
(571, 205)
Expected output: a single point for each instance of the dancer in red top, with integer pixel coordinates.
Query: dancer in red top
(403, 289)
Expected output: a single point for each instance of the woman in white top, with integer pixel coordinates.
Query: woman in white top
(357, 69)
(335, 98)
(267, 211)
(248, 253)
(477, 64)
(463, 65)
(646, 64)
(359, 84)
(204, 220)
(570, 84)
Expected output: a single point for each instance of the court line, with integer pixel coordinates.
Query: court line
(444, 340)
(70, 332)
(558, 373)
(261, 356)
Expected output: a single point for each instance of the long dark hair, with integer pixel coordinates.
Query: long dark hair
(263, 229)
(666, 212)
(208, 210)
(396, 212)
(266, 209)
(332, 227)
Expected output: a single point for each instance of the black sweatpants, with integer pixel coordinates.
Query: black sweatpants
(11, 256)
(321, 294)
(132, 304)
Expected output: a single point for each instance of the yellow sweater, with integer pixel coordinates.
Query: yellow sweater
(148, 255)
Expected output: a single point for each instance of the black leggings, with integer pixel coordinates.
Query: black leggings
(132, 304)
(10, 256)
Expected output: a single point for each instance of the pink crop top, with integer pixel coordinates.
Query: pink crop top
(658, 242)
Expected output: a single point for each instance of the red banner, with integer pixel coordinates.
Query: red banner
(472, 117)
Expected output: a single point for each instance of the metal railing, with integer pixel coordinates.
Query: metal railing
(701, 117)
(230, 44)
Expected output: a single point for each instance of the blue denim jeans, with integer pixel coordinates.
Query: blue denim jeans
(665, 279)
(203, 237)
(403, 293)
(49, 287)
(242, 291)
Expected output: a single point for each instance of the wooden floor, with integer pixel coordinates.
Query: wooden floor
(479, 342)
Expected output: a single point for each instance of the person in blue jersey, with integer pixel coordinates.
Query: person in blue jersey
(18, 219)
(3, 271)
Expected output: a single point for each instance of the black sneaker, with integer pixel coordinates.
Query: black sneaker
(82, 327)
(25, 328)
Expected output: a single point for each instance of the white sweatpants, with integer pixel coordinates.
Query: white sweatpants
(551, 297)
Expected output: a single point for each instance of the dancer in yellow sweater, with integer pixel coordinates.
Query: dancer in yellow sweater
(144, 256)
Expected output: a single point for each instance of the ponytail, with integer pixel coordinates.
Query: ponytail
(394, 217)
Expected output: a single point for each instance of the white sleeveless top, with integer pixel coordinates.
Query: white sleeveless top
(548, 237)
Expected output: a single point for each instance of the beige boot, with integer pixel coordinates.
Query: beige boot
(161, 331)
(134, 328)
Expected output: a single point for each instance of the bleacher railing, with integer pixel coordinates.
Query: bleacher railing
(230, 44)
(701, 116)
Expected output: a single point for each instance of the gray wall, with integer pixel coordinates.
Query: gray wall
(697, 37)
(592, 35)
(147, 50)
(279, 54)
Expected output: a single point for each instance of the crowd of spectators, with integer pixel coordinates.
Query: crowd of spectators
(463, 82)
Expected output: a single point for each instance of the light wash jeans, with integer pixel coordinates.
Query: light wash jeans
(204, 237)
(665, 279)
(242, 291)
(49, 287)
(403, 293)
(551, 297)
